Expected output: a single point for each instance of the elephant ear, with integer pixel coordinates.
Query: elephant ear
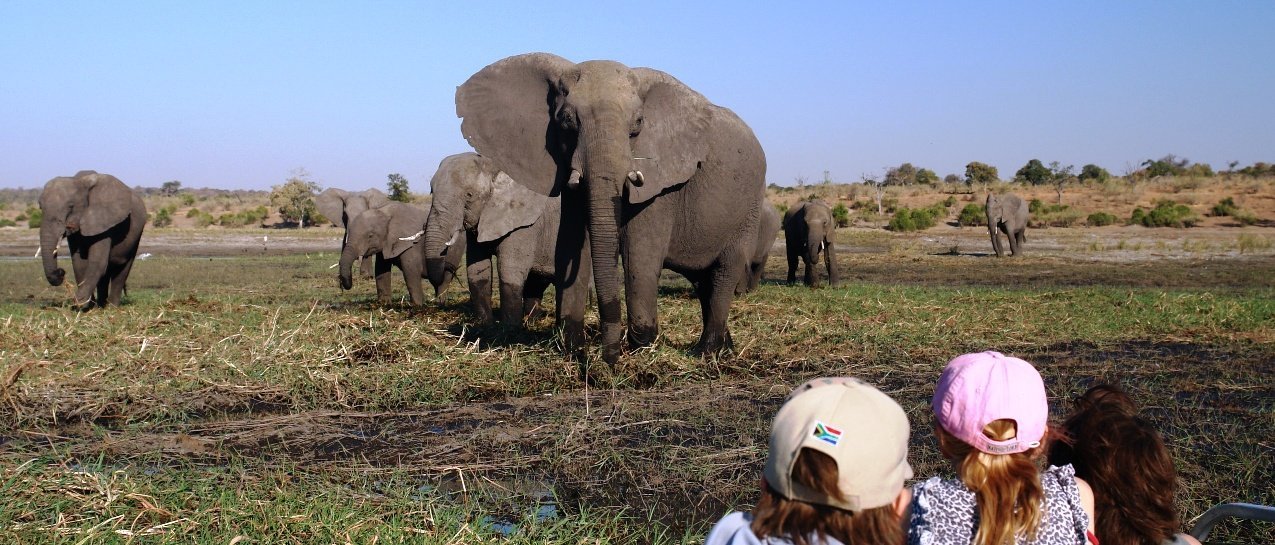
(672, 142)
(331, 203)
(511, 206)
(506, 112)
(406, 227)
(110, 202)
(375, 198)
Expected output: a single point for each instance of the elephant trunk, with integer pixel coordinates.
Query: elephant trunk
(444, 247)
(348, 255)
(51, 232)
(607, 162)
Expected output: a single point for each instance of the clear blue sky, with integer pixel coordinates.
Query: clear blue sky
(238, 94)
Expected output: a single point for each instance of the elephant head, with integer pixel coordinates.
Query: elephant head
(87, 204)
(388, 230)
(471, 194)
(617, 132)
(341, 207)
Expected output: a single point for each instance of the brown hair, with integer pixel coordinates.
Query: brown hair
(1006, 487)
(797, 520)
(1125, 460)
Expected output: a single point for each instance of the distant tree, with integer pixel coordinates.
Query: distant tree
(170, 188)
(827, 178)
(904, 174)
(1169, 165)
(1060, 176)
(1094, 172)
(926, 176)
(980, 173)
(398, 188)
(952, 179)
(295, 198)
(1034, 173)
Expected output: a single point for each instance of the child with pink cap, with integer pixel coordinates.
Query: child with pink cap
(992, 415)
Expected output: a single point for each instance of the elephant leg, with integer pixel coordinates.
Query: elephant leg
(91, 271)
(793, 256)
(478, 276)
(573, 273)
(1020, 237)
(811, 262)
(118, 282)
(533, 292)
(996, 241)
(412, 263)
(383, 270)
(830, 261)
(644, 248)
(716, 292)
(515, 257)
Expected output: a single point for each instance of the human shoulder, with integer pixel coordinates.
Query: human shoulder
(733, 529)
(1181, 539)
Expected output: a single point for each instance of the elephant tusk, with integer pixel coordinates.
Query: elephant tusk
(573, 181)
(334, 265)
(413, 237)
(37, 251)
(636, 178)
(821, 245)
(452, 240)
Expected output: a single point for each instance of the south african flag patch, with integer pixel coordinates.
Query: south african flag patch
(826, 433)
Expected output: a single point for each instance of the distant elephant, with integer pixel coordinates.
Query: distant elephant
(474, 201)
(1009, 214)
(766, 231)
(392, 233)
(102, 220)
(808, 230)
(666, 179)
(340, 207)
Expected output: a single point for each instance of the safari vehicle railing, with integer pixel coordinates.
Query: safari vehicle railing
(1217, 513)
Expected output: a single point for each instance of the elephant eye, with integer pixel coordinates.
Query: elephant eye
(636, 128)
(567, 120)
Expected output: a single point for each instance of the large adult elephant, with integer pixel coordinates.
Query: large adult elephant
(475, 201)
(1007, 213)
(341, 206)
(808, 229)
(102, 220)
(766, 231)
(392, 234)
(669, 180)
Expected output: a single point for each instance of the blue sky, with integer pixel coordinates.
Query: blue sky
(239, 94)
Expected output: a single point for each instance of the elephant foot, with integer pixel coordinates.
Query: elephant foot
(611, 353)
(710, 345)
(640, 336)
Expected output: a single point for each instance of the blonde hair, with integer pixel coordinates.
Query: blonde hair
(797, 520)
(1006, 487)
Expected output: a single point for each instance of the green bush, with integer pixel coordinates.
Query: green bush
(1099, 219)
(6, 222)
(1225, 207)
(949, 202)
(1165, 214)
(782, 208)
(972, 215)
(1245, 217)
(205, 219)
(193, 212)
(21, 217)
(1035, 205)
(187, 199)
(841, 215)
(163, 218)
(35, 217)
(907, 219)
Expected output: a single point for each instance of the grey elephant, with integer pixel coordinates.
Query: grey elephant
(808, 232)
(392, 233)
(341, 206)
(665, 179)
(1009, 214)
(102, 220)
(766, 231)
(475, 202)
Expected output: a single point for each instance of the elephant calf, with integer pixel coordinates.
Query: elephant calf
(766, 231)
(477, 205)
(102, 220)
(341, 207)
(808, 228)
(1009, 214)
(392, 233)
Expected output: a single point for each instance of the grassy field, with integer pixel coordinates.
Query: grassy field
(242, 398)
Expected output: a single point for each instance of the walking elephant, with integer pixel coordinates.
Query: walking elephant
(392, 233)
(766, 231)
(341, 206)
(1008, 213)
(659, 175)
(102, 220)
(475, 202)
(808, 230)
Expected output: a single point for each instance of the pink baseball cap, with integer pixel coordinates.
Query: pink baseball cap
(979, 388)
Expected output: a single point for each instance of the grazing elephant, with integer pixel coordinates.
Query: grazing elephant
(341, 206)
(1009, 214)
(808, 229)
(766, 231)
(102, 220)
(392, 233)
(666, 179)
(475, 201)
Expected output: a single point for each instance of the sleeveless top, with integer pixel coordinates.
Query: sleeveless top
(944, 512)
(733, 529)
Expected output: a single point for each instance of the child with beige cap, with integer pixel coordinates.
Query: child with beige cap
(834, 472)
(992, 415)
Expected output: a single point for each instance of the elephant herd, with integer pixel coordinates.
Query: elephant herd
(579, 167)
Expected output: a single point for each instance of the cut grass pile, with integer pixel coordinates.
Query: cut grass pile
(250, 397)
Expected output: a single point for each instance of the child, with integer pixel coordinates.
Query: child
(834, 472)
(992, 416)
(1131, 470)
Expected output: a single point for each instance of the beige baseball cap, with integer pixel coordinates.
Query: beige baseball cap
(859, 427)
